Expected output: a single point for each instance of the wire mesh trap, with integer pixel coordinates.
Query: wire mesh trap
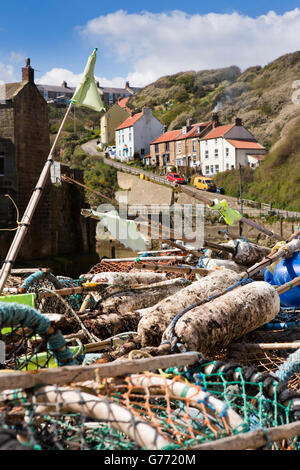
(175, 408)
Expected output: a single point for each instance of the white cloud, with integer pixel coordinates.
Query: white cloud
(56, 76)
(7, 74)
(165, 43)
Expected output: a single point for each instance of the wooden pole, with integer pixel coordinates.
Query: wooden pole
(253, 439)
(210, 203)
(256, 347)
(69, 374)
(28, 214)
(171, 268)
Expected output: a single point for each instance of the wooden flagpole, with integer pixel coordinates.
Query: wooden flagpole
(28, 214)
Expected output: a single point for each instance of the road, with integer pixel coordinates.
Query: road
(91, 149)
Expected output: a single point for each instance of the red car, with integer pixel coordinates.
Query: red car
(176, 178)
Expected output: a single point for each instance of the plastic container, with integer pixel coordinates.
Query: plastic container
(285, 271)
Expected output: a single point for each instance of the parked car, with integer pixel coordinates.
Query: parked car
(176, 178)
(111, 151)
(220, 190)
(205, 183)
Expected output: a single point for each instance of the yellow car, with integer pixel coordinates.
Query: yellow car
(205, 183)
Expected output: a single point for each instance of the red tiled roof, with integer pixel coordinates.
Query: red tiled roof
(167, 136)
(193, 132)
(219, 131)
(122, 103)
(245, 144)
(129, 121)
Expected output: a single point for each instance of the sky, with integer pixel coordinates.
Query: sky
(141, 41)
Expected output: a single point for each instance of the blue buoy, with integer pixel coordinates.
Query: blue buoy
(285, 271)
(268, 276)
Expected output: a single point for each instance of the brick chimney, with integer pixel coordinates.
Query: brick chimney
(64, 84)
(147, 111)
(238, 121)
(27, 72)
(188, 124)
(215, 120)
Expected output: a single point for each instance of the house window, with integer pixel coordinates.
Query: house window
(227, 166)
(211, 168)
(168, 158)
(156, 148)
(142, 151)
(206, 154)
(216, 141)
(167, 146)
(2, 163)
(207, 169)
(217, 168)
(129, 135)
(216, 153)
(178, 147)
(227, 152)
(194, 145)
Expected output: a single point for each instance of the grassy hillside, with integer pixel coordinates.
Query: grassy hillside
(277, 180)
(174, 98)
(86, 127)
(261, 96)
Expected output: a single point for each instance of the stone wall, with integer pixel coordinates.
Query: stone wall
(57, 227)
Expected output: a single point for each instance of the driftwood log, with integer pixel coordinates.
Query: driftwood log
(157, 318)
(111, 324)
(142, 297)
(247, 253)
(129, 279)
(222, 321)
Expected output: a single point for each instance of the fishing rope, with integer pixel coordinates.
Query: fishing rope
(18, 222)
(290, 367)
(16, 314)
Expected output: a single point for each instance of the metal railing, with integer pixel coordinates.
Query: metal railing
(252, 208)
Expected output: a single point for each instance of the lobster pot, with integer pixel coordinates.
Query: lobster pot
(247, 253)
(157, 318)
(218, 323)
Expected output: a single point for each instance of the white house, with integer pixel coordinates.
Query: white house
(133, 136)
(227, 147)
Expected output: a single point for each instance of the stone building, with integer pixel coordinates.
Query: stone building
(115, 115)
(56, 227)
